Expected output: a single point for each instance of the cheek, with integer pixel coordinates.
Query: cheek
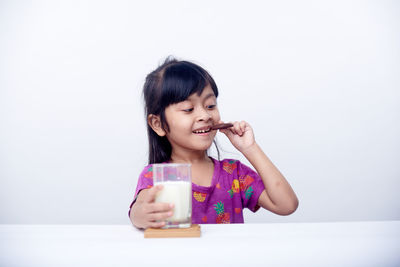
(215, 115)
(179, 124)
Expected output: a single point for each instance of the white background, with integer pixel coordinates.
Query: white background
(318, 81)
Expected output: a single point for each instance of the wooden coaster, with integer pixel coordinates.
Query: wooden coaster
(192, 231)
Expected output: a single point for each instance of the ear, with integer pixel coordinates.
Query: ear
(155, 123)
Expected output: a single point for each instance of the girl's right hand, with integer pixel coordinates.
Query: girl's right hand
(146, 213)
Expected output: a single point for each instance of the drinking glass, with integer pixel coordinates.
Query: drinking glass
(177, 189)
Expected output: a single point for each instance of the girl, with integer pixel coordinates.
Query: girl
(181, 107)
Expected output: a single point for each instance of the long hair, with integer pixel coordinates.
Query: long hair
(172, 82)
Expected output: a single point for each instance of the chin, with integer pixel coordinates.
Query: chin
(202, 147)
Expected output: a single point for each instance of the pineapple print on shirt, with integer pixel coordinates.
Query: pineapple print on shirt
(235, 188)
(222, 216)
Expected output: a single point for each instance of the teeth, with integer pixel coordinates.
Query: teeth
(202, 131)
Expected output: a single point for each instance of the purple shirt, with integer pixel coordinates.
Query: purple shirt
(234, 186)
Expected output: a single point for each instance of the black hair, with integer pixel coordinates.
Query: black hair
(172, 82)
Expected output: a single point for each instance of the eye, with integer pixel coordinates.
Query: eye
(188, 110)
(211, 106)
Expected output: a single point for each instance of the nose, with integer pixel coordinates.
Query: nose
(203, 115)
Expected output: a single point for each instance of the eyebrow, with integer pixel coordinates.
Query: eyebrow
(206, 97)
(209, 95)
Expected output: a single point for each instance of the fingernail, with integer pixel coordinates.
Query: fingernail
(171, 205)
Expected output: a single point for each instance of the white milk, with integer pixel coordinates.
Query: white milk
(180, 194)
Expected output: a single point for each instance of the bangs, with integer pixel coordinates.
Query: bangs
(180, 80)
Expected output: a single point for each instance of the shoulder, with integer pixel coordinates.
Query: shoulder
(226, 161)
(230, 163)
(233, 166)
(227, 165)
(147, 171)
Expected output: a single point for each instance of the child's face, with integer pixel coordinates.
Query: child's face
(190, 121)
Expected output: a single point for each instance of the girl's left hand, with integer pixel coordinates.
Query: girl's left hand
(240, 134)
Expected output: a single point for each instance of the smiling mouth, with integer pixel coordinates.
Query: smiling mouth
(202, 131)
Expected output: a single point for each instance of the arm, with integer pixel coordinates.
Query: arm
(278, 197)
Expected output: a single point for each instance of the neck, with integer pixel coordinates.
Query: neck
(185, 157)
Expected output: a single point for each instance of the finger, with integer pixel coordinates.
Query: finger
(160, 207)
(224, 130)
(151, 193)
(243, 126)
(237, 129)
(228, 132)
(161, 216)
(156, 224)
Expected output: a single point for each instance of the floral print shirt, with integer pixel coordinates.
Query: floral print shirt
(234, 186)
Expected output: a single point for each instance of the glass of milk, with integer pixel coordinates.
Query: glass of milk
(176, 179)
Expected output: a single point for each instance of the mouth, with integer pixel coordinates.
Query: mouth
(202, 130)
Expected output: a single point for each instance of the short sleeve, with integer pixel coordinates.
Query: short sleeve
(145, 181)
(251, 186)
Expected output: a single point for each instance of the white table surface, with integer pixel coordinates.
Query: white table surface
(291, 244)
